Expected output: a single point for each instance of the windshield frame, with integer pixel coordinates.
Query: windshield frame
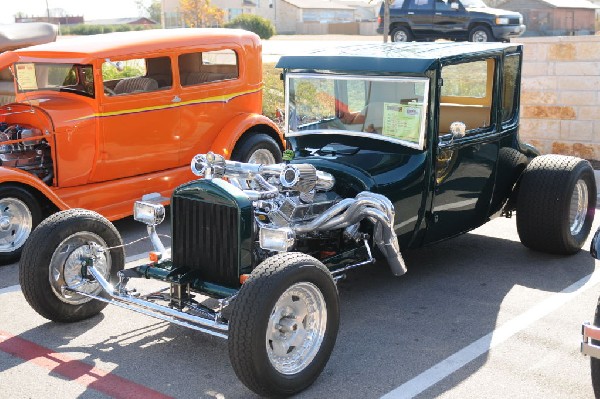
(420, 145)
(79, 75)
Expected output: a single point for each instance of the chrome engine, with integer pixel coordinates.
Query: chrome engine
(23, 147)
(294, 203)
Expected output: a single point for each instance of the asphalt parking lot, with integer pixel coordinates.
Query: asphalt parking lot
(476, 316)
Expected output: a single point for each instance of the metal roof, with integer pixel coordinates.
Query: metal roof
(87, 48)
(390, 57)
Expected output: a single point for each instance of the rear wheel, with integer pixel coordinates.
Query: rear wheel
(53, 259)
(556, 204)
(258, 148)
(284, 325)
(20, 213)
(401, 34)
(481, 34)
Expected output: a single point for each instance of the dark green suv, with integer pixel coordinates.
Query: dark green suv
(451, 19)
(391, 147)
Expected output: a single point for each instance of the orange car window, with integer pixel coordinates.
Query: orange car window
(208, 66)
(136, 75)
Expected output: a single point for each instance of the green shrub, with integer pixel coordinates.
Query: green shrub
(82, 29)
(262, 27)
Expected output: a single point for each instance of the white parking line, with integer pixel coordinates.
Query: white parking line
(469, 353)
(129, 259)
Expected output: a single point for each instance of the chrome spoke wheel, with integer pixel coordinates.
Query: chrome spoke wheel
(16, 224)
(262, 156)
(67, 267)
(296, 328)
(578, 208)
(400, 36)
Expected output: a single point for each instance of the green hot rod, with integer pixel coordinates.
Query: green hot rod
(391, 147)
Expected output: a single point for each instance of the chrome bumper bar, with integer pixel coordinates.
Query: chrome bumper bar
(590, 332)
(126, 301)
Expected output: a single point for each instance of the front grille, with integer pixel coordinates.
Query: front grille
(206, 238)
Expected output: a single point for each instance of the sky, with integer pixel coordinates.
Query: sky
(90, 9)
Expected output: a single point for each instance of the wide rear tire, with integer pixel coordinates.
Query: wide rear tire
(556, 204)
(257, 148)
(284, 325)
(53, 256)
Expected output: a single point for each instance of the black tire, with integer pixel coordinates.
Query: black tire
(594, 362)
(401, 34)
(56, 241)
(548, 189)
(16, 204)
(481, 34)
(249, 145)
(253, 311)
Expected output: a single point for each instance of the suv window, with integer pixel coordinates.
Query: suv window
(445, 5)
(209, 66)
(420, 4)
(140, 75)
(397, 4)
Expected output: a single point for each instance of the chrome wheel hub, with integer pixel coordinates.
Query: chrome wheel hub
(68, 267)
(296, 328)
(400, 36)
(15, 224)
(262, 156)
(480, 36)
(578, 207)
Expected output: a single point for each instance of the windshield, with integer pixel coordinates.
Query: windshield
(392, 109)
(473, 4)
(74, 78)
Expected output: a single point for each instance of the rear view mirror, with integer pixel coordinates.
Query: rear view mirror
(454, 5)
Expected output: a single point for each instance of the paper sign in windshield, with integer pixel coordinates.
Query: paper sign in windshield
(402, 121)
(26, 77)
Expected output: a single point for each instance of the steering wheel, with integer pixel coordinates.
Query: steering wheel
(109, 91)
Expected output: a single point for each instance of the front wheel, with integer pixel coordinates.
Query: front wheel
(401, 34)
(258, 148)
(284, 325)
(481, 34)
(556, 204)
(20, 213)
(53, 259)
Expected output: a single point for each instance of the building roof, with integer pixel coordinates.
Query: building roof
(570, 3)
(390, 57)
(319, 4)
(122, 21)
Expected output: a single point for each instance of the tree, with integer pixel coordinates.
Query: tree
(200, 13)
(152, 11)
(386, 18)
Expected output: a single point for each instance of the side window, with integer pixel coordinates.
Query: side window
(445, 5)
(397, 4)
(420, 4)
(466, 95)
(510, 89)
(136, 75)
(208, 66)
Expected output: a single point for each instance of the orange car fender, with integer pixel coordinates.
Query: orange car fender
(10, 175)
(235, 129)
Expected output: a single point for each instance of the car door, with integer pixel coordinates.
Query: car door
(420, 14)
(450, 17)
(139, 119)
(465, 166)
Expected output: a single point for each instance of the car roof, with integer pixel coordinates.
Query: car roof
(393, 57)
(86, 48)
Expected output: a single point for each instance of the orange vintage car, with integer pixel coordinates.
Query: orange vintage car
(99, 121)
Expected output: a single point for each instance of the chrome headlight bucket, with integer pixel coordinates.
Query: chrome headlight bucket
(276, 239)
(149, 212)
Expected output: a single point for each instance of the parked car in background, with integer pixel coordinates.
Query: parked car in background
(469, 20)
(101, 120)
(16, 36)
(393, 147)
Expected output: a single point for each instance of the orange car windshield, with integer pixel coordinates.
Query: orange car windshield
(72, 78)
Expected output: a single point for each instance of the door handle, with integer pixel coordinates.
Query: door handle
(176, 99)
(411, 13)
(438, 13)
